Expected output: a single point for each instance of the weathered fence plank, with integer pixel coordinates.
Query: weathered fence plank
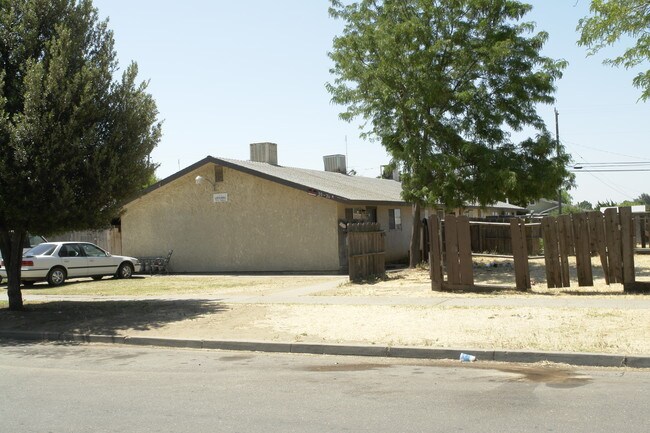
(627, 243)
(597, 231)
(551, 256)
(583, 250)
(465, 268)
(613, 239)
(520, 254)
(435, 253)
(451, 240)
(566, 246)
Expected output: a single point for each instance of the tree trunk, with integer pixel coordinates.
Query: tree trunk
(414, 256)
(12, 254)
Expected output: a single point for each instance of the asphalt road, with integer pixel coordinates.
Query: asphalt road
(97, 388)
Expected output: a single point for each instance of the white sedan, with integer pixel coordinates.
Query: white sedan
(54, 262)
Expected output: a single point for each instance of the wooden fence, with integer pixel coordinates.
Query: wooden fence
(108, 239)
(366, 251)
(642, 229)
(491, 236)
(450, 243)
(495, 236)
(610, 237)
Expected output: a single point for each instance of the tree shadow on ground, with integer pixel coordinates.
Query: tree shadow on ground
(43, 287)
(106, 317)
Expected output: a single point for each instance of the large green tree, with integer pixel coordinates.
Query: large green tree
(74, 140)
(612, 20)
(443, 84)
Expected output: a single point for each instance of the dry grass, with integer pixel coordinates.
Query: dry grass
(178, 285)
(510, 328)
(492, 272)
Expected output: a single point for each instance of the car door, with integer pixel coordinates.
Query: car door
(74, 260)
(99, 262)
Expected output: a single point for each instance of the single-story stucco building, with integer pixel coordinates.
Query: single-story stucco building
(225, 215)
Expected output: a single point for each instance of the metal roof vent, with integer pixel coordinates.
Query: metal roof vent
(335, 163)
(386, 173)
(264, 152)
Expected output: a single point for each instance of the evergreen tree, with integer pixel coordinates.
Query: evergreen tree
(74, 142)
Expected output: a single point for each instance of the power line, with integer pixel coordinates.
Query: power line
(611, 185)
(604, 151)
(614, 164)
(612, 170)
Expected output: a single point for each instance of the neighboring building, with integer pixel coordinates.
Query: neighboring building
(543, 207)
(259, 216)
(224, 215)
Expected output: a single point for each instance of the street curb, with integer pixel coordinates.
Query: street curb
(579, 359)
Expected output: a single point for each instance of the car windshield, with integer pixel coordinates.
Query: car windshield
(41, 250)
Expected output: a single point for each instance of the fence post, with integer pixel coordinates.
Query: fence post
(435, 253)
(451, 243)
(613, 238)
(583, 250)
(597, 231)
(551, 256)
(520, 254)
(627, 244)
(466, 269)
(566, 242)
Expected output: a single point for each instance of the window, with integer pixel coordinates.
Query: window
(93, 251)
(361, 215)
(394, 219)
(70, 250)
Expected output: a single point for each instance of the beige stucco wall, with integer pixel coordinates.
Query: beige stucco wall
(264, 226)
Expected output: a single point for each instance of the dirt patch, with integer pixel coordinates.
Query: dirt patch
(491, 272)
(514, 328)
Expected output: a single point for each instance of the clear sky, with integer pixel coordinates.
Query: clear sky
(228, 73)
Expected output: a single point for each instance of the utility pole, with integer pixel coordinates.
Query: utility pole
(557, 144)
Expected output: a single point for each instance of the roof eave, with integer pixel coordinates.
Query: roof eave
(298, 186)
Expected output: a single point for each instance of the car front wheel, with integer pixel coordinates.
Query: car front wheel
(125, 270)
(56, 276)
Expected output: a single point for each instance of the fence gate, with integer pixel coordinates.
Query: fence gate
(366, 251)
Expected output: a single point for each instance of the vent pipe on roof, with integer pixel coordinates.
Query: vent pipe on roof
(385, 174)
(335, 163)
(264, 152)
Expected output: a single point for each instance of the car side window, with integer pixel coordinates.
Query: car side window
(93, 251)
(70, 250)
(75, 251)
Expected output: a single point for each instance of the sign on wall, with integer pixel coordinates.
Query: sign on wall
(220, 197)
